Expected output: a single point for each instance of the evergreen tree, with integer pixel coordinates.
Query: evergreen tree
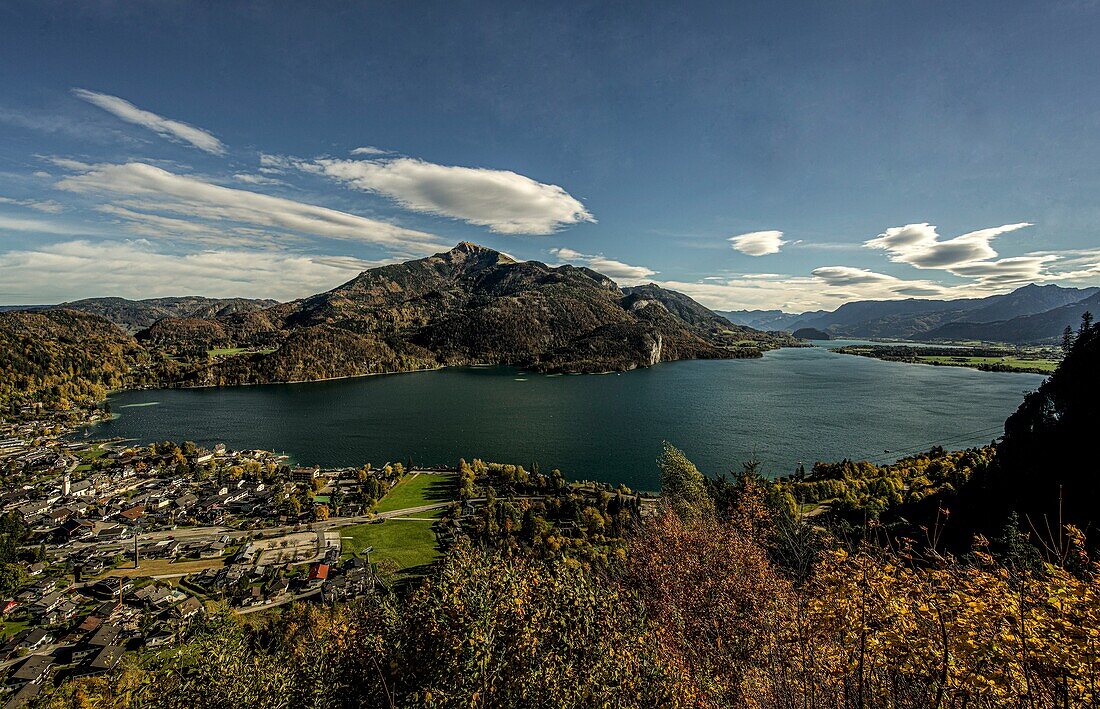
(1067, 340)
(683, 486)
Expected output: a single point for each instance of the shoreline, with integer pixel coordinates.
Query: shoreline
(473, 365)
(978, 367)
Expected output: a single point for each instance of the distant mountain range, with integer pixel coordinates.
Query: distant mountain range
(469, 305)
(135, 315)
(1031, 314)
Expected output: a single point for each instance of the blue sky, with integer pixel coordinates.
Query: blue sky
(754, 155)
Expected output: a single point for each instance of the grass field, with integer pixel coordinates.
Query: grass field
(409, 543)
(230, 351)
(1046, 365)
(416, 490)
(87, 456)
(11, 627)
(163, 567)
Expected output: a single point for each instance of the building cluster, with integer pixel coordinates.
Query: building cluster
(79, 516)
(74, 629)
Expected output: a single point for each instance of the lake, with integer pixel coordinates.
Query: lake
(791, 406)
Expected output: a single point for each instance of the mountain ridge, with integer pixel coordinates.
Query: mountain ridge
(468, 305)
(135, 315)
(1044, 312)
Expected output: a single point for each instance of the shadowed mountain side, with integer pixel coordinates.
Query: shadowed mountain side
(1029, 314)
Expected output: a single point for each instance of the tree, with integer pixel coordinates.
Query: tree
(1067, 340)
(336, 499)
(12, 577)
(683, 487)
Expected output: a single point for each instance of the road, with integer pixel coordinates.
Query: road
(213, 532)
(210, 533)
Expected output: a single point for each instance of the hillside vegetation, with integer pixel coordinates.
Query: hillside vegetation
(465, 306)
(65, 357)
(135, 315)
(470, 305)
(722, 596)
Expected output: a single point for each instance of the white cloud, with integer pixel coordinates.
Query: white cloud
(504, 201)
(860, 278)
(370, 150)
(44, 226)
(758, 243)
(279, 163)
(250, 179)
(827, 287)
(160, 227)
(133, 269)
(920, 246)
(45, 205)
(568, 254)
(1015, 270)
(619, 271)
(152, 190)
(166, 127)
(615, 270)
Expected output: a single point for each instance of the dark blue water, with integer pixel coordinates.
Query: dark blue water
(793, 405)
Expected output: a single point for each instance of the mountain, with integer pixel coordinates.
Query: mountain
(464, 306)
(64, 356)
(683, 307)
(135, 315)
(1029, 300)
(809, 333)
(918, 319)
(1040, 327)
(766, 319)
(885, 318)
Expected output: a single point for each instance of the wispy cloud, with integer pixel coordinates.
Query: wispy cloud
(616, 270)
(44, 226)
(85, 130)
(42, 205)
(849, 277)
(149, 190)
(370, 150)
(166, 127)
(135, 269)
(758, 243)
(826, 288)
(250, 179)
(504, 201)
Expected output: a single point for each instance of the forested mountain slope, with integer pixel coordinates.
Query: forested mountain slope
(1045, 470)
(65, 357)
(135, 315)
(464, 306)
(467, 305)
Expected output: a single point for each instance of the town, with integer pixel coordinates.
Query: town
(108, 547)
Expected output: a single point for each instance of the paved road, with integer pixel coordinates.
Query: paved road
(288, 599)
(213, 532)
